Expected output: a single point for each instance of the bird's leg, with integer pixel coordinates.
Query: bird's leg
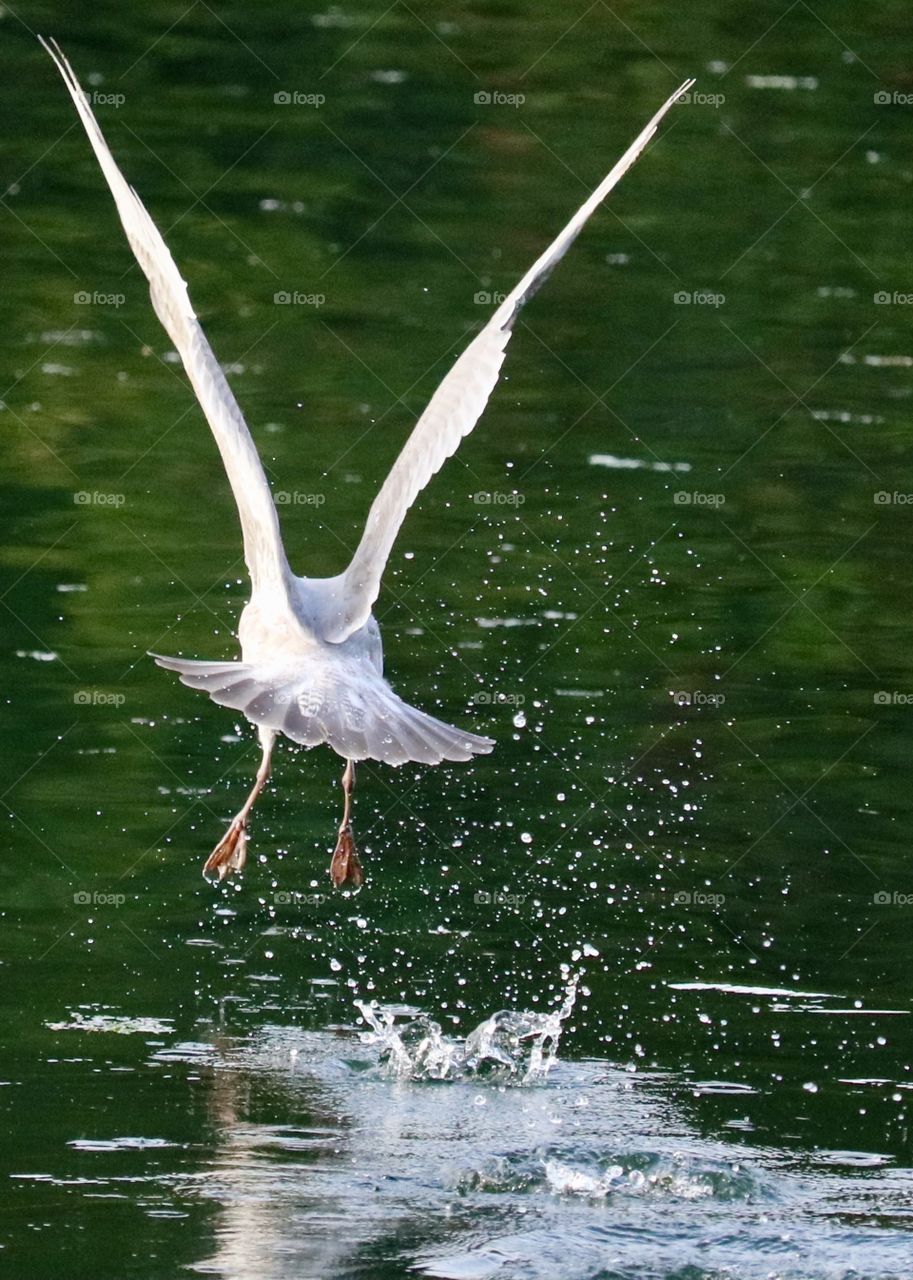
(230, 853)
(344, 865)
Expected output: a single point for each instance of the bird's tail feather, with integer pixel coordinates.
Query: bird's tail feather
(360, 718)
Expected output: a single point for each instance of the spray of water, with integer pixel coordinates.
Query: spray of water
(510, 1046)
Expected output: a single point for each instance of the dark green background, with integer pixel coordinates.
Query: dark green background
(759, 840)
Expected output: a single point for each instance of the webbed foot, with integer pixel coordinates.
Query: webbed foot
(345, 868)
(230, 854)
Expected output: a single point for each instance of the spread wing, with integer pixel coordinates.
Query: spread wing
(260, 525)
(454, 409)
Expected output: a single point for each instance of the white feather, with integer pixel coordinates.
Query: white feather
(455, 408)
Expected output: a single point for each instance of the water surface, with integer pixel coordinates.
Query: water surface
(668, 572)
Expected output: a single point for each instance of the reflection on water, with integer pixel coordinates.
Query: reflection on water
(322, 1167)
(338, 1151)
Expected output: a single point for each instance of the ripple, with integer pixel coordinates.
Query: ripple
(119, 1144)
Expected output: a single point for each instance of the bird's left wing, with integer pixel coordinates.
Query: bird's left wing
(453, 411)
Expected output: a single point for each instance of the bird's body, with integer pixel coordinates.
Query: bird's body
(295, 681)
(311, 655)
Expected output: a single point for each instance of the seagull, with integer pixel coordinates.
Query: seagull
(311, 663)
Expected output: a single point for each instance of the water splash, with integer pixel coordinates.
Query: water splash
(510, 1046)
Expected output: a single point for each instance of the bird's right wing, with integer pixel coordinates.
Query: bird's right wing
(453, 411)
(260, 525)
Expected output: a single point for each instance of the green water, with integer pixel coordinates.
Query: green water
(697, 669)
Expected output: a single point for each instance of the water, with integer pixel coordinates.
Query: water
(321, 1153)
(662, 573)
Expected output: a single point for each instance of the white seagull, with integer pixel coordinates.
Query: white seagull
(311, 657)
